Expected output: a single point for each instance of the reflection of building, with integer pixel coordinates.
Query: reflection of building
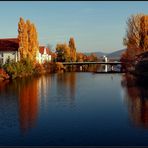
(28, 104)
(44, 85)
(137, 100)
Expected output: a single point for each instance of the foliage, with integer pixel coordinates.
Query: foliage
(72, 50)
(19, 69)
(23, 38)
(28, 40)
(63, 53)
(3, 74)
(80, 57)
(92, 58)
(59, 66)
(39, 68)
(136, 39)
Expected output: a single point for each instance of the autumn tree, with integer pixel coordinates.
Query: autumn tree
(144, 33)
(28, 40)
(80, 57)
(23, 38)
(72, 49)
(63, 53)
(92, 58)
(34, 46)
(136, 39)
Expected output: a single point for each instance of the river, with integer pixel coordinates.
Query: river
(74, 109)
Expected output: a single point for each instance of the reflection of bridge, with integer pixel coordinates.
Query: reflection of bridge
(85, 63)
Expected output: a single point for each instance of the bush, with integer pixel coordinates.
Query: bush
(39, 69)
(20, 68)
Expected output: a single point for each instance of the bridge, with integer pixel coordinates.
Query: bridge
(85, 63)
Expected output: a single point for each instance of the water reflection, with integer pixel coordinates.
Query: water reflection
(66, 83)
(28, 104)
(22, 97)
(27, 96)
(136, 96)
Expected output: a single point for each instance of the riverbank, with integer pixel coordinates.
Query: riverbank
(25, 68)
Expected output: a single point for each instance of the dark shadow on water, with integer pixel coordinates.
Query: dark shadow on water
(136, 97)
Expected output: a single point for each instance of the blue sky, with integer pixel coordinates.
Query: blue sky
(95, 25)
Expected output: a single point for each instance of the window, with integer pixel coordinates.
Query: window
(1, 54)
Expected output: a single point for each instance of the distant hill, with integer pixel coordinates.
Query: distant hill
(99, 54)
(115, 54)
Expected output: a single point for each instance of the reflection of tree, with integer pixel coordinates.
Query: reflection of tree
(66, 86)
(3, 85)
(28, 104)
(137, 99)
(23, 94)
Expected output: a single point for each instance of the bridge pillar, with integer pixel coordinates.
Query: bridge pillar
(106, 67)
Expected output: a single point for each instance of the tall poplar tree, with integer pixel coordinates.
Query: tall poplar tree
(72, 49)
(23, 38)
(28, 40)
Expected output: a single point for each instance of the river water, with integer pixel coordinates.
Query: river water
(74, 109)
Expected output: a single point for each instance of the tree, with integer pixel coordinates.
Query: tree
(136, 39)
(28, 40)
(144, 33)
(80, 57)
(23, 38)
(72, 49)
(92, 58)
(63, 53)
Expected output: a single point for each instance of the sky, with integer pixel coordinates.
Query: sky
(95, 25)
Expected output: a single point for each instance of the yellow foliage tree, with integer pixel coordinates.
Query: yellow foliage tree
(136, 39)
(72, 49)
(63, 53)
(23, 38)
(28, 40)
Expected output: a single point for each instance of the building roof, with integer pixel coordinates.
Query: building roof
(41, 49)
(12, 44)
(9, 44)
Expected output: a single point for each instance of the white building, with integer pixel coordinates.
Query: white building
(105, 58)
(9, 50)
(44, 54)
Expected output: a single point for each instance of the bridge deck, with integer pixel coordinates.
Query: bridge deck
(83, 63)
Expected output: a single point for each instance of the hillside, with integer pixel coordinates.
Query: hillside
(115, 54)
(99, 54)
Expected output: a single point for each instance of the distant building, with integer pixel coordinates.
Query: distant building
(44, 54)
(105, 58)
